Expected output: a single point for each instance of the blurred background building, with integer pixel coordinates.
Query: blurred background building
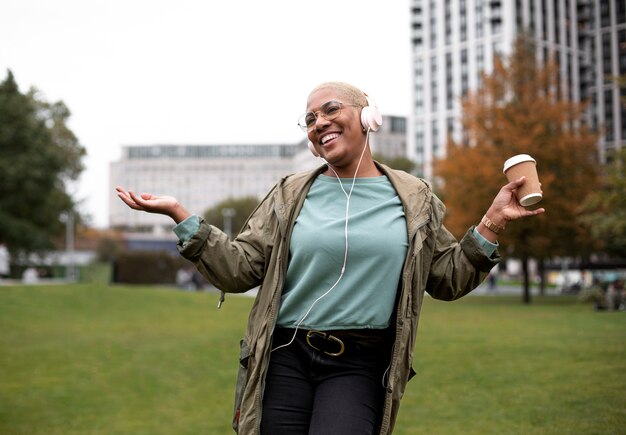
(454, 41)
(201, 176)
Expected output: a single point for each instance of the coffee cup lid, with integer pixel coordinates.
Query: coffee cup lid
(517, 159)
(531, 199)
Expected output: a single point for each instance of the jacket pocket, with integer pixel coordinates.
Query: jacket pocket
(242, 379)
(412, 373)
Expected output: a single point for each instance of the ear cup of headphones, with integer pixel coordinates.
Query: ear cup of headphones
(371, 117)
(312, 149)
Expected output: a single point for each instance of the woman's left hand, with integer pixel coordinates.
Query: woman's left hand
(505, 206)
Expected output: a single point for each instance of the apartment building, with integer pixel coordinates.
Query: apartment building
(454, 41)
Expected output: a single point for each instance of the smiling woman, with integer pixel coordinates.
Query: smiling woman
(342, 256)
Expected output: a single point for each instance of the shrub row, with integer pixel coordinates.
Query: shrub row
(147, 267)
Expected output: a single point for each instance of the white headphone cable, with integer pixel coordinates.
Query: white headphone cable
(345, 255)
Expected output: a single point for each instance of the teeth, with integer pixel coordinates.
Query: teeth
(329, 137)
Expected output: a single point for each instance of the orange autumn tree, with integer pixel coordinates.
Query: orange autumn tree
(519, 110)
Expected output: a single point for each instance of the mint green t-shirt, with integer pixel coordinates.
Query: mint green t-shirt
(377, 243)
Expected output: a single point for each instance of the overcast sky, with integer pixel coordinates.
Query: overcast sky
(139, 72)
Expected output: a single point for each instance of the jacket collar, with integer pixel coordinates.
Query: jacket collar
(414, 193)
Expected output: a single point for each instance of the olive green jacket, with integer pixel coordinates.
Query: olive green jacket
(258, 256)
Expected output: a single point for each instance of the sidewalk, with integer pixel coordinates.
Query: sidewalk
(39, 281)
(505, 289)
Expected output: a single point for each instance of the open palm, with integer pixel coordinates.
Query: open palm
(167, 205)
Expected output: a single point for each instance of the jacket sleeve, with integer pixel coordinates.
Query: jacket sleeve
(456, 268)
(234, 266)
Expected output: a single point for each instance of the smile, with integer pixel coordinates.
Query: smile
(329, 137)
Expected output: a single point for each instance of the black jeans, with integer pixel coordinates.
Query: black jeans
(308, 392)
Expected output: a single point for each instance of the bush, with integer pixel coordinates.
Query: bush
(147, 267)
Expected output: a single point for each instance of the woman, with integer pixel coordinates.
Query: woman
(343, 255)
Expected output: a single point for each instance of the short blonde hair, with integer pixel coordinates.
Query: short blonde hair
(351, 93)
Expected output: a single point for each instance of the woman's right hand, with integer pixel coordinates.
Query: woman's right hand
(167, 205)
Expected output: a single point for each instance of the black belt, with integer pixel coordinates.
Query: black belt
(337, 342)
(325, 342)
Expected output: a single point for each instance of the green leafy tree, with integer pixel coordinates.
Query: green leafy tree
(235, 210)
(39, 155)
(401, 163)
(519, 111)
(605, 209)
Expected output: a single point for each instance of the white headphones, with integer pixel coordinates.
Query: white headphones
(371, 119)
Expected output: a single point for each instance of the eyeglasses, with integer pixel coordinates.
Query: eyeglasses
(328, 111)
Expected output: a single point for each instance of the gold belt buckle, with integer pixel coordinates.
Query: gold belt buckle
(328, 337)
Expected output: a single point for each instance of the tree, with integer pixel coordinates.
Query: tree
(605, 209)
(236, 210)
(519, 111)
(401, 163)
(39, 155)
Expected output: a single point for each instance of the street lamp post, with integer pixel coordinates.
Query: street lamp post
(227, 215)
(68, 219)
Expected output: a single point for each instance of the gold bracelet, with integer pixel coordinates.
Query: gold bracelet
(491, 225)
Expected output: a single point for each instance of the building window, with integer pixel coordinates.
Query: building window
(594, 112)
(419, 99)
(544, 20)
(433, 83)
(435, 138)
(496, 17)
(606, 56)
(557, 22)
(620, 12)
(567, 25)
(608, 116)
(519, 15)
(463, 18)
(398, 124)
(464, 72)
(450, 127)
(433, 24)
(449, 82)
(605, 13)
(496, 26)
(479, 18)
(416, 24)
(621, 43)
(419, 141)
(480, 63)
(448, 21)
(570, 78)
(419, 86)
(622, 106)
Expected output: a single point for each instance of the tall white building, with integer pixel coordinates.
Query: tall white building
(454, 41)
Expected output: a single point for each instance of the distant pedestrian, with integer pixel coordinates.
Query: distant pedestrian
(30, 276)
(4, 261)
(614, 295)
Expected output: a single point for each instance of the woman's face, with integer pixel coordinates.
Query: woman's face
(340, 140)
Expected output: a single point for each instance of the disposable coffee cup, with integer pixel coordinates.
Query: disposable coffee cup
(528, 193)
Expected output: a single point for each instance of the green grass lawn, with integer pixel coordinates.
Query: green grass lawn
(94, 359)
